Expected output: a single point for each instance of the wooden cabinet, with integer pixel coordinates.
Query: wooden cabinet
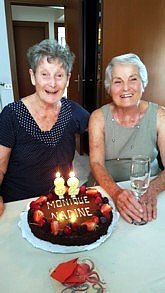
(136, 26)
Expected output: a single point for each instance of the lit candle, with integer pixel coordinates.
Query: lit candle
(73, 184)
(60, 188)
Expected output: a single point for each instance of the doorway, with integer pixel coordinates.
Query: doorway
(72, 16)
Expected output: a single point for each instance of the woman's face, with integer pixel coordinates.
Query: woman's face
(50, 80)
(126, 85)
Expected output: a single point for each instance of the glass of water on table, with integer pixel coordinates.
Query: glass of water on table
(140, 178)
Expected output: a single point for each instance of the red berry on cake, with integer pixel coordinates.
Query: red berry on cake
(67, 230)
(98, 199)
(107, 215)
(95, 219)
(41, 222)
(91, 226)
(38, 215)
(75, 226)
(54, 225)
(50, 196)
(83, 189)
(41, 199)
(92, 192)
(34, 205)
(105, 208)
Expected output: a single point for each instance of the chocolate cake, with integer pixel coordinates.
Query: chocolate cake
(70, 221)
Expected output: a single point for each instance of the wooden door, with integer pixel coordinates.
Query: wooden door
(136, 26)
(26, 34)
(73, 25)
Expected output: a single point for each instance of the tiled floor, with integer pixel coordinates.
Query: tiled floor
(81, 167)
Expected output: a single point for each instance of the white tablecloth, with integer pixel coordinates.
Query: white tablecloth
(132, 260)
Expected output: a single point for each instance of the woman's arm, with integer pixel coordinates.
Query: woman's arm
(97, 152)
(4, 160)
(157, 184)
(125, 202)
(1, 206)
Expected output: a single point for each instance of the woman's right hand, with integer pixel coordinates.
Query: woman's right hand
(1, 206)
(129, 208)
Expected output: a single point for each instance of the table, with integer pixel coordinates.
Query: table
(132, 260)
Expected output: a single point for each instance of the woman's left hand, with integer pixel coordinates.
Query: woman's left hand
(129, 208)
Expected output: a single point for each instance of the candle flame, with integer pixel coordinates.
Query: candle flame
(58, 175)
(71, 175)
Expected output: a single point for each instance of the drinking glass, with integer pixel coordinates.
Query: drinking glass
(140, 178)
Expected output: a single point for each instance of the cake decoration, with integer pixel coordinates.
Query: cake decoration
(70, 220)
(70, 215)
(60, 187)
(73, 184)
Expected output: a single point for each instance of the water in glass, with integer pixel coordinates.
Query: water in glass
(140, 177)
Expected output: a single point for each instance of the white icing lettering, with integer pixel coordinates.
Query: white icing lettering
(86, 200)
(81, 200)
(76, 213)
(71, 213)
(50, 204)
(66, 202)
(54, 216)
(75, 200)
(81, 212)
(87, 209)
(62, 216)
(58, 203)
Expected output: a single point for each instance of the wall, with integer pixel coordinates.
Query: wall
(5, 72)
(23, 13)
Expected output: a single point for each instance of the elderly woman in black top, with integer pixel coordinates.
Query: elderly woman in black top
(37, 133)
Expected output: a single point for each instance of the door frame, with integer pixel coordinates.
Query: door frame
(10, 33)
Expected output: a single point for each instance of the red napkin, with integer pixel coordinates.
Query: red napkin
(78, 272)
(64, 270)
(71, 272)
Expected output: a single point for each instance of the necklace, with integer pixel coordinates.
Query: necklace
(128, 122)
(48, 113)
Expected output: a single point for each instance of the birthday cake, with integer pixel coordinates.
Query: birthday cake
(70, 219)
